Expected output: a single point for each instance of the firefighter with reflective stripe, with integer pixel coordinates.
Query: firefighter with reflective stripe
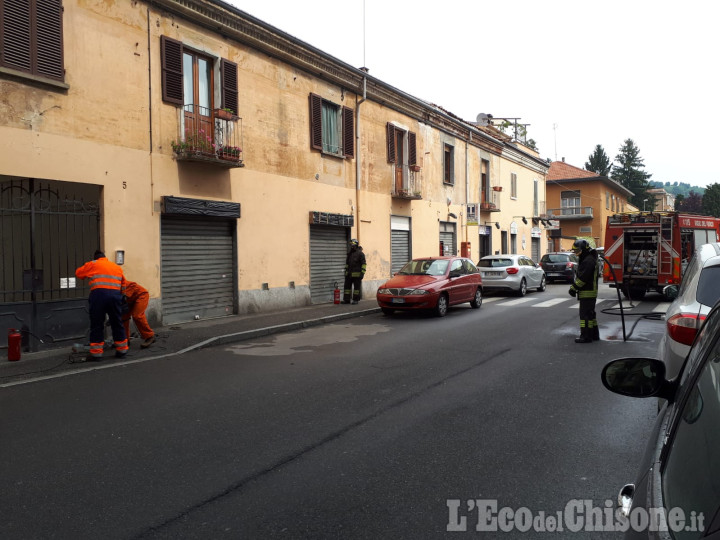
(355, 267)
(137, 298)
(105, 278)
(585, 287)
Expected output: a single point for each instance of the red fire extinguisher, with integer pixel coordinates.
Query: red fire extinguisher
(336, 294)
(14, 340)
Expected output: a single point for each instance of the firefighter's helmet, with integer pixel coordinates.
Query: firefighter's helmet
(354, 243)
(580, 245)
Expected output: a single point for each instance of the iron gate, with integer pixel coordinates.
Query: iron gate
(47, 229)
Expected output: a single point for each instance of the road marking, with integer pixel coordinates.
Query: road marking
(551, 302)
(517, 301)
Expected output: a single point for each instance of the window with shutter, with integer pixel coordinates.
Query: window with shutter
(449, 164)
(171, 52)
(32, 37)
(229, 73)
(332, 128)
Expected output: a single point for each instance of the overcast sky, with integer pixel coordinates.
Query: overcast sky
(579, 72)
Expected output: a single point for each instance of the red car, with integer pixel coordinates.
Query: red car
(432, 283)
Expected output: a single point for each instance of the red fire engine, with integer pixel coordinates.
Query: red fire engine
(649, 250)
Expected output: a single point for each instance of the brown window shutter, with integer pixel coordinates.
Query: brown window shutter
(15, 49)
(229, 98)
(348, 132)
(315, 122)
(171, 52)
(390, 143)
(49, 47)
(412, 149)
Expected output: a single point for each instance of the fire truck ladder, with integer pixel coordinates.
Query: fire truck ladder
(665, 255)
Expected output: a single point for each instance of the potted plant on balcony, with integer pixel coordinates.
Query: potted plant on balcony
(195, 143)
(225, 114)
(231, 153)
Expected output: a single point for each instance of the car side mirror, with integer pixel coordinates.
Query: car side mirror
(635, 377)
(671, 291)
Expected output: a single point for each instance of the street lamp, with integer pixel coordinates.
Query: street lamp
(644, 201)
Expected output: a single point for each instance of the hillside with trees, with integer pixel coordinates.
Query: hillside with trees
(678, 188)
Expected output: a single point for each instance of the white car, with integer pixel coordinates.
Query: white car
(516, 273)
(698, 293)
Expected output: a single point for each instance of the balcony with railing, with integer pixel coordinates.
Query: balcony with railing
(491, 202)
(212, 136)
(409, 185)
(571, 213)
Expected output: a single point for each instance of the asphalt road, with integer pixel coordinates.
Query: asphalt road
(369, 428)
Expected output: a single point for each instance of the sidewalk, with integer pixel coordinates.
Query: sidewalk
(180, 338)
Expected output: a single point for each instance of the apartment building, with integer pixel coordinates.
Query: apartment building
(225, 164)
(579, 203)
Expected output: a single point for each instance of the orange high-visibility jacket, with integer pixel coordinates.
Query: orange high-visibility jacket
(102, 273)
(133, 291)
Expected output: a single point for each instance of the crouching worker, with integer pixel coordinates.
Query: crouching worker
(105, 298)
(137, 298)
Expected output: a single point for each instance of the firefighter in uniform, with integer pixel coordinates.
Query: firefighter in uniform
(137, 298)
(354, 272)
(585, 287)
(105, 298)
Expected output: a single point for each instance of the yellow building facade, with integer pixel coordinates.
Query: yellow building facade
(226, 164)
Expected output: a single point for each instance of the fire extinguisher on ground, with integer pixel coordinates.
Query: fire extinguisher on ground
(14, 341)
(336, 294)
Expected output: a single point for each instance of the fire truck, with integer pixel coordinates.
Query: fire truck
(649, 250)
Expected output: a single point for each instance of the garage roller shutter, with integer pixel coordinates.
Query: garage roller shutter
(198, 263)
(328, 250)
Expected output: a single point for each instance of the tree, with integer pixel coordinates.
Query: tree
(679, 201)
(630, 174)
(711, 200)
(693, 203)
(598, 162)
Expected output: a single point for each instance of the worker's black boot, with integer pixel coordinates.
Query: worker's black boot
(584, 336)
(596, 333)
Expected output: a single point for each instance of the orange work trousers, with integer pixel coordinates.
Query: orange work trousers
(136, 310)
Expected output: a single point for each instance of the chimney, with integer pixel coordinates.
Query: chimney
(563, 159)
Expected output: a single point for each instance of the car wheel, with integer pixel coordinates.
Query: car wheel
(477, 301)
(522, 291)
(442, 306)
(387, 311)
(542, 287)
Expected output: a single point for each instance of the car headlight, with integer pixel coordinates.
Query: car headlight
(418, 291)
(384, 291)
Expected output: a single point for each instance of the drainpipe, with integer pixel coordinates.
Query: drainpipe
(357, 152)
(467, 185)
(152, 181)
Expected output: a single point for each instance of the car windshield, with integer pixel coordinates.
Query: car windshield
(424, 268)
(555, 257)
(495, 263)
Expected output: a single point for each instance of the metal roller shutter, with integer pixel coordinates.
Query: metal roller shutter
(400, 250)
(328, 250)
(198, 268)
(448, 238)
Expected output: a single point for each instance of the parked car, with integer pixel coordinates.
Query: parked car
(559, 266)
(432, 283)
(698, 292)
(678, 478)
(516, 273)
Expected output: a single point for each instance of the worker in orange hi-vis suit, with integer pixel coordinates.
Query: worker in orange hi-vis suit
(105, 298)
(137, 300)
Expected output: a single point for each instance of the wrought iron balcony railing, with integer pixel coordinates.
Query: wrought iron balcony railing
(411, 185)
(209, 136)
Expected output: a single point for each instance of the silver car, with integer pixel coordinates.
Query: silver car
(516, 273)
(698, 293)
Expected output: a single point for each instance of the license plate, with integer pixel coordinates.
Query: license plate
(553, 274)
(398, 300)
(492, 274)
